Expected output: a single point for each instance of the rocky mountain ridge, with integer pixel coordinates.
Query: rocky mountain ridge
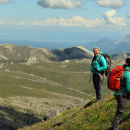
(121, 56)
(31, 55)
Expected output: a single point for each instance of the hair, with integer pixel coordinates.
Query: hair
(128, 61)
(96, 48)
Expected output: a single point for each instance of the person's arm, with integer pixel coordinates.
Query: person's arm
(127, 79)
(93, 70)
(103, 64)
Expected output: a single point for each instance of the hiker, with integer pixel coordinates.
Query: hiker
(125, 95)
(98, 72)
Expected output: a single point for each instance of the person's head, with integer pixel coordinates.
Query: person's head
(96, 51)
(128, 61)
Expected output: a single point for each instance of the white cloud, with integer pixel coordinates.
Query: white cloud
(60, 4)
(108, 16)
(79, 21)
(4, 1)
(111, 3)
(46, 22)
(8, 22)
(2, 21)
(128, 15)
(74, 22)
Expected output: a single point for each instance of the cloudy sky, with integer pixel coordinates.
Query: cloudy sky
(64, 21)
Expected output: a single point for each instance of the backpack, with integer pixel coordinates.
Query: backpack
(108, 61)
(113, 80)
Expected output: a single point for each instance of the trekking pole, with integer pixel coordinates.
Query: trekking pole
(102, 79)
(90, 77)
(100, 76)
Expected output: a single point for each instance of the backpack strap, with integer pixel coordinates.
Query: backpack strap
(124, 81)
(123, 76)
(126, 70)
(98, 60)
(92, 60)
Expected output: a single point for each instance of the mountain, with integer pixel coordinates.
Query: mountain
(113, 55)
(111, 46)
(72, 53)
(125, 39)
(120, 56)
(30, 54)
(104, 44)
(16, 52)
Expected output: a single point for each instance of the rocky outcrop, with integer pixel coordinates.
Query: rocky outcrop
(31, 61)
(50, 115)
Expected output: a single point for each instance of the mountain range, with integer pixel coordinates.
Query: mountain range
(30, 54)
(111, 46)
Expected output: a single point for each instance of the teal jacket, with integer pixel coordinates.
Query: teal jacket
(125, 90)
(95, 63)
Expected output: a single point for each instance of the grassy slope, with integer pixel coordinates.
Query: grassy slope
(94, 116)
(10, 85)
(62, 75)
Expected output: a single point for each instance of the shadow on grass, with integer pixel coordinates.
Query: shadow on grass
(11, 119)
(90, 103)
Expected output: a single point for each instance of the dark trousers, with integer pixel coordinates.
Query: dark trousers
(121, 106)
(98, 85)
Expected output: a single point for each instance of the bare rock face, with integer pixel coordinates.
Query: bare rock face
(50, 115)
(31, 61)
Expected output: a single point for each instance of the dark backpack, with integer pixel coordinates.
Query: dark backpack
(108, 60)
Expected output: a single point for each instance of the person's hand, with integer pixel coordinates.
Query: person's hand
(95, 68)
(129, 98)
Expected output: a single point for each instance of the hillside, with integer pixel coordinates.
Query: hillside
(29, 55)
(93, 116)
(32, 87)
(37, 89)
(72, 53)
(28, 90)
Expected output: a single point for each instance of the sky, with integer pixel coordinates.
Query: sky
(66, 22)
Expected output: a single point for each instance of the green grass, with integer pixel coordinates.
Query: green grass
(11, 87)
(53, 72)
(94, 116)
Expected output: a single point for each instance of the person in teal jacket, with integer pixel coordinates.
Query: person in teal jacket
(98, 72)
(125, 95)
